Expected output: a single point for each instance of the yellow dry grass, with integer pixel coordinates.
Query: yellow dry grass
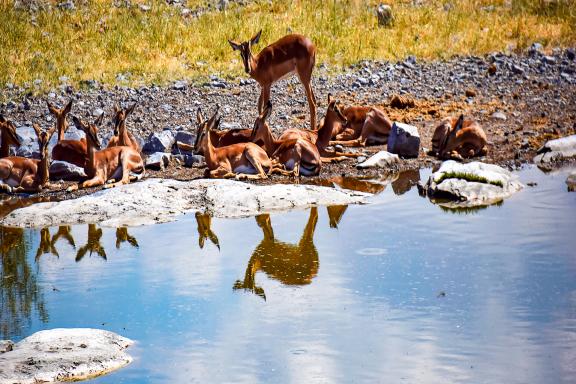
(98, 41)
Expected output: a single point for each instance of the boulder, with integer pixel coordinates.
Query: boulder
(381, 159)
(471, 184)
(62, 170)
(58, 355)
(159, 142)
(185, 137)
(571, 181)
(158, 161)
(556, 151)
(29, 143)
(404, 140)
(189, 160)
(385, 17)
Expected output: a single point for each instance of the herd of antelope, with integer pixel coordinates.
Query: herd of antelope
(244, 153)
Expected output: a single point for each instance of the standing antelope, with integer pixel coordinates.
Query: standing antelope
(458, 139)
(19, 174)
(298, 155)
(365, 125)
(242, 160)
(121, 135)
(114, 163)
(292, 53)
(321, 137)
(9, 137)
(71, 151)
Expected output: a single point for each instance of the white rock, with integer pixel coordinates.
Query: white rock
(499, 116)
(161, 200)
(230, 126)
(64, 355)
(471, 184)
(381, 159)
(557, 150)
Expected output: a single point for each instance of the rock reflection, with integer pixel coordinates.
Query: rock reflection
(402, 182)
(20, 293)
(405, 181)
(92, 244)
(291, 264)
(11, 203)
(122, 236)
(204, 222)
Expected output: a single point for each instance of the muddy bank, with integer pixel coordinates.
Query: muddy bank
(157, 200)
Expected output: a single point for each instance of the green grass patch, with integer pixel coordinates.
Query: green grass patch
(468, 177)
(98, 41)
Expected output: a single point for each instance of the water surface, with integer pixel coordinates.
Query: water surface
(400, 290)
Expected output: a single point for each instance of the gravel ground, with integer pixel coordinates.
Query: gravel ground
(520, 100)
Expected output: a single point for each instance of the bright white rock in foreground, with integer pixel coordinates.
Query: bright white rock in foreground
(471, 184)
(64, 355)
(159, 200)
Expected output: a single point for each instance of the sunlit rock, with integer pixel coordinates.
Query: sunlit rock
(557, 151)
(381, 159)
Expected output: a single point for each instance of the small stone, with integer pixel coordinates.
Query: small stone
(144, 7)
(517, 69)
(97, 112)
(536, 47)
(51, 95)
(549, 60)
(234, 125)
(385, 17)
(381, 159)
(66, 5)
(180, 85)
(571, 54)
(499, 116)
(492, 69)
(470, 92)
(158, 161)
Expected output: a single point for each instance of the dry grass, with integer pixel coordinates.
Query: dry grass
(98, 41)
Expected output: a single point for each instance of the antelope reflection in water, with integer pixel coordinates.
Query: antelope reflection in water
(46, 245)
(204, 222)
(404, 181)
(291, 264)
(123, 236)
(92, 244)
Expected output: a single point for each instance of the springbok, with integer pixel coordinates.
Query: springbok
(458, 138)
(19, 174)
(291, 264)
(222, 138)
(291, 54)
(114, 163)
(321, 138)
(297, 155)
(121, 135)
(71, 151)
(365, 125)
(9, 136)
(240, 161)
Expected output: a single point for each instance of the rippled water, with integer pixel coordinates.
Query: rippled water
(400, 290)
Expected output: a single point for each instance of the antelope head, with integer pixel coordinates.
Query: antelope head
(120, 116)
(60, 115)
(203, 128)
(334, 110)
(260, 125)
(43, 139)
(9, 134)
(91, 130)
(245, 49)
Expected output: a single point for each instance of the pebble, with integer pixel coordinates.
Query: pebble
(499, 116)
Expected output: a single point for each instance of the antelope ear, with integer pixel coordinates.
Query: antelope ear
(459, 124)
(130, 109)
(2, 118)
(235, 46)
(67, 108)
(78, 123)
(199, 117)
(256, 38)
(330, 99)
(52, 108)
(51, 132)
(37, 129)
(116, 108)
(98, 121)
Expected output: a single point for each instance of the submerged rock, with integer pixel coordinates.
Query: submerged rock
(471, 184)
(556, 151)
(381, 159)
(161, 200)
(64, 355)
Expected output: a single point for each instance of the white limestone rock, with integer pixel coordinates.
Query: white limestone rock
(381, 159)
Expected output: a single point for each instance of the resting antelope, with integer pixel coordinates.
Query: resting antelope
(114, 163)
(291, 264)
(121, 135)
(71, 151)
(242, 160)
(321, 137)
(222, 138)
(292, 53)
(9, 137)
(297, 155)
(458, 139)
(365, 125)
(19, 174)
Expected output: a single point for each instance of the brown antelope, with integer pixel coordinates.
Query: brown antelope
(92, 244)
(291, 264)
(297, 155)
(9, 137)
(321, 137)
(291, 54)
(204, 222)
(71, 151)
(458, 138)
(114, 163)
(121, 135)
(123, 236)
(240, 161)
(222, 138)
(19, 174)
(366, 125)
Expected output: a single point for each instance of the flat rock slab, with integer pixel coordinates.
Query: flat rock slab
(64, 355)
(469, 185)
(162, 200)
(556, 151)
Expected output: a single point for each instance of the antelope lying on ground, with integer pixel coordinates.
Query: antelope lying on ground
(241, 161)
(458, 138)
(222, 138)
(121, 135)
(292, 53)
(9, 137)
(297, 155)
(365, 125)
(19, 174)
(71, 151)
(114, 163)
